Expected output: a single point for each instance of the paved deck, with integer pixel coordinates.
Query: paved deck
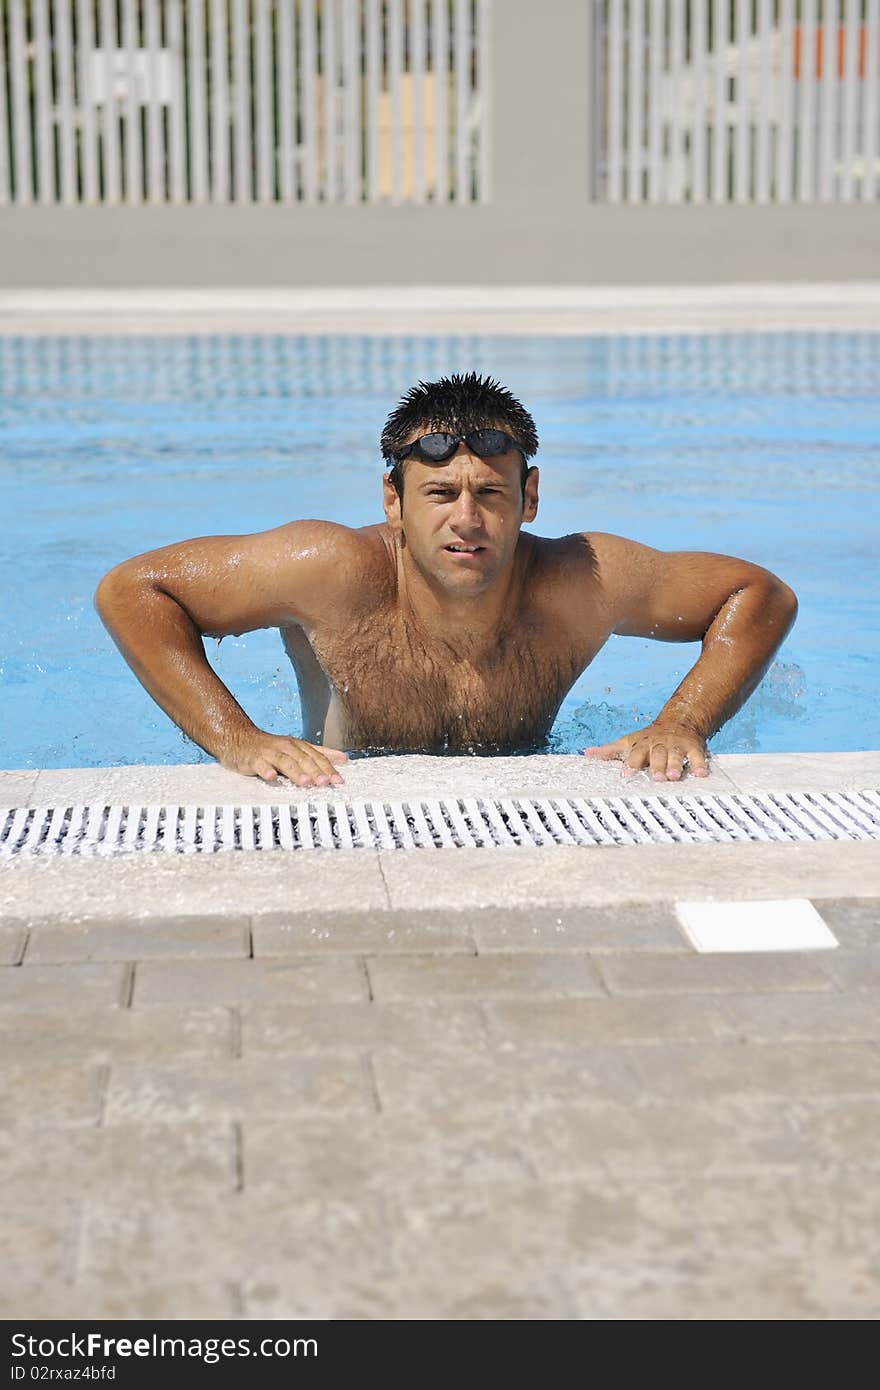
(451, 1084)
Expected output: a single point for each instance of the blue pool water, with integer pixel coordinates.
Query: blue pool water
(763, 446)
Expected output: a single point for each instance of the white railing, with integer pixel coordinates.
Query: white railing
(244, 101)
(743, 101)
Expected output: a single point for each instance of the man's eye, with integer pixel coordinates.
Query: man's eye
(439, 492)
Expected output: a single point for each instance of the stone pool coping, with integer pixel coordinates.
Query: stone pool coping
(131, 887)
(845, 306)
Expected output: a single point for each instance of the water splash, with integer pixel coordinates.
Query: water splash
(778, 702)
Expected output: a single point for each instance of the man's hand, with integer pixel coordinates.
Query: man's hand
(661, 748)
(266, 755)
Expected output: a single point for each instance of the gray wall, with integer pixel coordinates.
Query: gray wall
(540, 226)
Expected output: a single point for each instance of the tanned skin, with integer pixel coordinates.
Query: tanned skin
(401, 644)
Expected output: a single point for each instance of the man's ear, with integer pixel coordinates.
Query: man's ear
(392, 502)
(530, 495)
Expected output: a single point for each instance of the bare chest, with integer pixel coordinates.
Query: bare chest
(395, 691)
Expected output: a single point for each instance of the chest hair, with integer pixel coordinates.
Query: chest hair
(400, 691)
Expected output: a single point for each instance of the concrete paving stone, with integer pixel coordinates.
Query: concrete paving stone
(617, 1231)
(334, 1247)
(479, 1296)
(359, 933)
(75, 987)
(578, 876)
(90, 1300)
(51, 1093)
(380, 1153)
(729, 1286)
(808, 772)
(631, 927)
(171, 938)
(143, 1161)
(261, 981)
(278, 1029)
(118, 1035)
(36, 1241)
(12, 942)
(202, 1091)
(793, 1070)
(16, 787)
(571, 1022)
(289, 1296)
(730, 972)
(508, 1078)
(487, 1243)
(853, 970)
(618, 1138)
(855, 922)
(395, 1300)
(133, 885)
(840, 1130)
(786, 1215)
(483, 977)
(803, 1017)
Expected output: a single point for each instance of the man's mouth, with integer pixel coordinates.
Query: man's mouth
(463, 549)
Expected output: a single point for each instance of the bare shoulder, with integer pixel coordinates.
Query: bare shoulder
(346, 564)
(585, 572)
(329, 541)
(610, 550)
(563, 588)
(615, 559)
(560, 559)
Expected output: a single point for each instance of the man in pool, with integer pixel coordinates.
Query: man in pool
(445, 628)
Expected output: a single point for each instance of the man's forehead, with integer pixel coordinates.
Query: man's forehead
(456, 468)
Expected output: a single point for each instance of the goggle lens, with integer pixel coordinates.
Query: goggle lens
(486, 443)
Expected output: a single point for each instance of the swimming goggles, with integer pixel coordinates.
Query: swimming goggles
(436, 448)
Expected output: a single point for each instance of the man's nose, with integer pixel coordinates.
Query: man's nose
(465, 510)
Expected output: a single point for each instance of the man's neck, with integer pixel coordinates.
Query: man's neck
(469, 626)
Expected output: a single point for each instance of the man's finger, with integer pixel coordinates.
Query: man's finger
(674, 764)
(638, 757)
(317, 761)
(698, 761)
(314, 764)
(307, 772)
(335, 755)
(608, 751)
(659, 757)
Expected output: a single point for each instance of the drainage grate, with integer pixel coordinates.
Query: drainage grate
(458, 823)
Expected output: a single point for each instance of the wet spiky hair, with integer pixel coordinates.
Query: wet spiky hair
(458, 403)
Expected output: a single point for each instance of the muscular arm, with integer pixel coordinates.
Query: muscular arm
(740, 612)
(158, 606)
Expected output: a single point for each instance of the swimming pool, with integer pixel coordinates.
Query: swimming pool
(764, 446)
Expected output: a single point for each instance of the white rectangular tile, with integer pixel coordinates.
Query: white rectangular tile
(780, 924)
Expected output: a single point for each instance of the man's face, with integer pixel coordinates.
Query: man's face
(460, 520)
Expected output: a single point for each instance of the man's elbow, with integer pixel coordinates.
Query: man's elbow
(110, 589)
(785, 603)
